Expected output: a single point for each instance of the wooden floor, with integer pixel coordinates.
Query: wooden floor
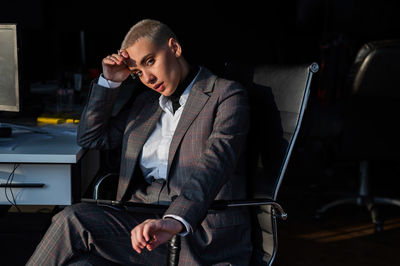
(339, 240)
(343, 236)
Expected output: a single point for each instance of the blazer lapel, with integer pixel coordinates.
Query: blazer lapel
(198, 97)
(138, 131)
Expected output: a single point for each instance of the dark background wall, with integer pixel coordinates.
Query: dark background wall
(212, 32)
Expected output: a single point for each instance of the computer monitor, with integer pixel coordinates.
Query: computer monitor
(9, 87)
(9, 82)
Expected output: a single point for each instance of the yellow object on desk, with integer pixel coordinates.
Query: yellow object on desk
(56, 120)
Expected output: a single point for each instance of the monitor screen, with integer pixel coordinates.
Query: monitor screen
(9, 89)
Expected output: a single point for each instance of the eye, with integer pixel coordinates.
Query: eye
(150, 61)
(137, 74)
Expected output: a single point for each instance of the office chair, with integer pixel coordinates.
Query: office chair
(368, 118)
(278, 98)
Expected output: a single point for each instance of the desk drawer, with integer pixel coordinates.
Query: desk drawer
(56, 180)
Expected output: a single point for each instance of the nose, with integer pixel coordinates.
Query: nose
(148, 77)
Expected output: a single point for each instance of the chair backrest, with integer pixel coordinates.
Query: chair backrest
(278, 97)
(375, 71)
(371, 108)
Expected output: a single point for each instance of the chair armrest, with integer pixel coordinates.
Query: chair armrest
(217, 205)
(129, 206)
(100, 181)
(223, 204)
(160, 209)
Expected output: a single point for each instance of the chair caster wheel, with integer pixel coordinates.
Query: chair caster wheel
(378, 227)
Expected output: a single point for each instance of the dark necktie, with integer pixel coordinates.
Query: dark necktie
(175, 103)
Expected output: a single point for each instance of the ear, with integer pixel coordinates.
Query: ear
(175, 47)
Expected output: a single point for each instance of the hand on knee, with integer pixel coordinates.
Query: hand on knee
(152, 233)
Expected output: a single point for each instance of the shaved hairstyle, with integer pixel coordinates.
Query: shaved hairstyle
(155, 31)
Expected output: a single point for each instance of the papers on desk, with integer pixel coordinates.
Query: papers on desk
(21, 128)
(59, 129)
(23, 134)
(10, 144)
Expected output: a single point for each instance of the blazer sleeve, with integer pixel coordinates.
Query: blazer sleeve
(97, 128)
(219, 158)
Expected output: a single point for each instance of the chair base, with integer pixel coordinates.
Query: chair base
(369, 202)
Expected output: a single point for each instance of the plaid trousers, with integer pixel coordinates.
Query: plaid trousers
(87, 234)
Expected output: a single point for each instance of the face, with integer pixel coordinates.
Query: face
(158, 67)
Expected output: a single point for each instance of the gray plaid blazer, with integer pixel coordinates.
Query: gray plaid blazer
(205, 162)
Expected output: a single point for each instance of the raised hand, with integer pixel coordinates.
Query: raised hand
(115, 67)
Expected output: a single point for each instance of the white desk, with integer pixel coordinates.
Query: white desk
(53, 161)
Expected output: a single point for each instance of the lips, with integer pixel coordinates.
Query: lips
(159, 86)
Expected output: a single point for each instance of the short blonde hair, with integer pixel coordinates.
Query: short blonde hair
(156, 31)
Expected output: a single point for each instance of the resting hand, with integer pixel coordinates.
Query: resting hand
(152, 233)
(115, 68)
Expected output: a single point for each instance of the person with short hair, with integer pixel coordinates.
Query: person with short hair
(182, 145)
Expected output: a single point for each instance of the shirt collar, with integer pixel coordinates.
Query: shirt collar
(166, 103)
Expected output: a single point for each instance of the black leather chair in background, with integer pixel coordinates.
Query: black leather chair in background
(278, 97)
(370, 118)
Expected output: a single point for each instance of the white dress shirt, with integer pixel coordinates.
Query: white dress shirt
(154, 156)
